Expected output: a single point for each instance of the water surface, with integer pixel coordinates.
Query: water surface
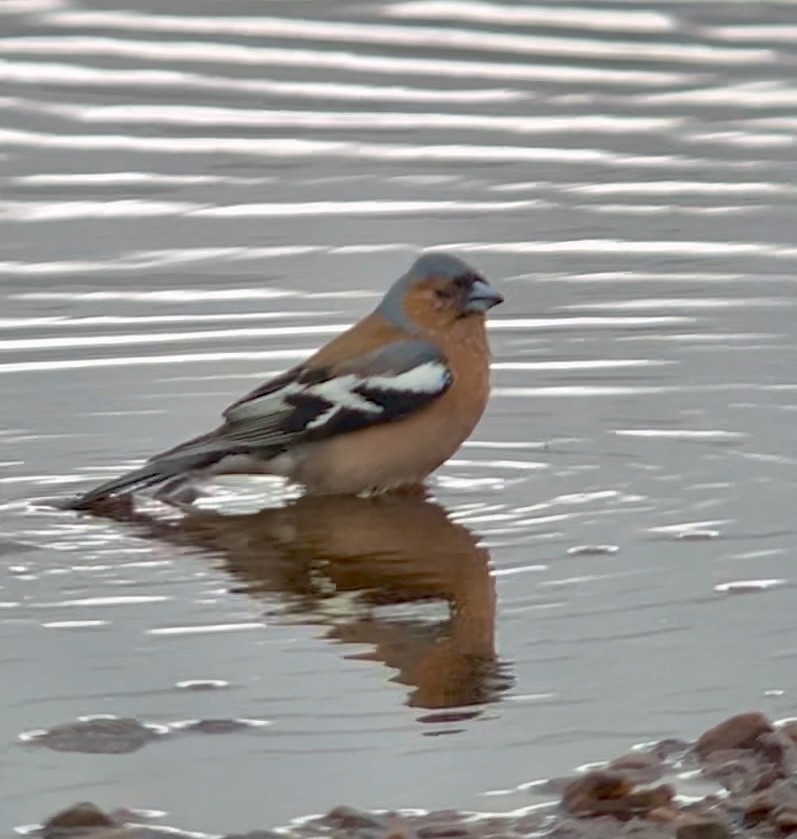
(192, 201)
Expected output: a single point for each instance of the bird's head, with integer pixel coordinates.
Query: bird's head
(438, 290)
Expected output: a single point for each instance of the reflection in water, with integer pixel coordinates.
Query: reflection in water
(339, 561)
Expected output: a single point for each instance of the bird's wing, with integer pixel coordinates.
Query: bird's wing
(315, 403)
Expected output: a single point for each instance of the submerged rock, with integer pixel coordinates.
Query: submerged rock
(76, 819)
(103, 735)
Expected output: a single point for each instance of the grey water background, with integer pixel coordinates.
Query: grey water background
(194, 195)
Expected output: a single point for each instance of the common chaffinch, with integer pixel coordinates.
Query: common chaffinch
(379, 407)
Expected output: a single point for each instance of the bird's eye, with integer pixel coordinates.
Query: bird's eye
(442, 294)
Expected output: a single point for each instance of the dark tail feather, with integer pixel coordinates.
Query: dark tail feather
(150, 474)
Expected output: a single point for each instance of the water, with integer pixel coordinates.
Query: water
(191, 201)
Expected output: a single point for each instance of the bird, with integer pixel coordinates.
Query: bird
(377, 409)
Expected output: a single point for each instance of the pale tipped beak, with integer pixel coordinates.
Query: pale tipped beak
(481, 297)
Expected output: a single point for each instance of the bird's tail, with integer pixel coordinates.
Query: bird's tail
(154, 472)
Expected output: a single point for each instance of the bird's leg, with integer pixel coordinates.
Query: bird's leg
(178, 492)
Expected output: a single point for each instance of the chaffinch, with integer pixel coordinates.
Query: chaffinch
(379, 407)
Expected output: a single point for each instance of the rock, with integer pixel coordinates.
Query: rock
(639, 767)
(396, 826)
(347, 818)
(703, 829)
(444, 831)
(77, 818)
(105, 735)
(786, 819)
(664, 750)
(664, 815)
(739, 771)
(739, 732)
(780, 751)
(256, 834)
(612, 793)
(216, 726)
(779, 798)
(586, 793)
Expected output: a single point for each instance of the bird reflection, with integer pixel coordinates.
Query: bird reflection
(356, 565)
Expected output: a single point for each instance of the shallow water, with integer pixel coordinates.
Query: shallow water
(191, 202)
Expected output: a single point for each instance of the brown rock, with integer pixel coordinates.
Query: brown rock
(639, 767)
(78, 817)
(664, 815)
(669, 748)
(785, 818)
(779, 750)
(738, 771)
(703, 829)
(612, 793)
(583, 794)
(348, 818)
(789, 728)
(757, 808)
(739, 732)
(255, 834)
(444, 831)
(651, 799)
(778, 799)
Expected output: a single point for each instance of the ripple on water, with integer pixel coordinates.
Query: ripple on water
(191, 202)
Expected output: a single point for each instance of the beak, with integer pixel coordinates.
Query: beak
(481, 297)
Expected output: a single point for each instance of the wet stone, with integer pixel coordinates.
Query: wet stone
(436, 816)
(779, 749)
(443, 831)
(738, 771)
(786, 818)
(586, 794)
(256, 834)
(670, 749)
(530, 823)
(639, 767)
(704, 829)
(779, 797)
(348, 818)
(396, 827)
(607, 792)
(789, 728)
(116, 735)
(739, 732)
(219, 726)
(78, 817)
